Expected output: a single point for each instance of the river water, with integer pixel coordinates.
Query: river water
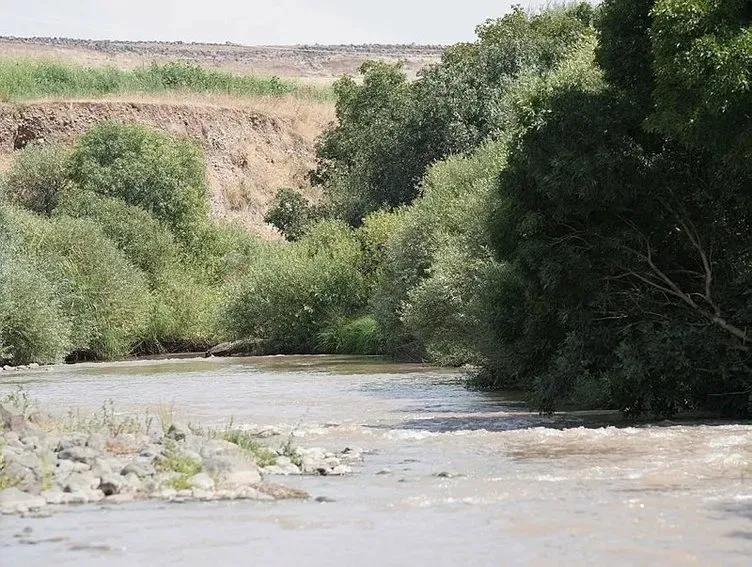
(452, 476)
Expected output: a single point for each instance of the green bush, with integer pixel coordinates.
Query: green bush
(33, 327)
(105, 298)
(163, 175)
(294, 291)
(351, 336)
(36, 177)
(289, 213)
(146, 243)
(183, 315)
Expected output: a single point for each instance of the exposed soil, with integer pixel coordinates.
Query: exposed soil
(252, 148)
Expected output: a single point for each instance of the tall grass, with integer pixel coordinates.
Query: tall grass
(28, 79)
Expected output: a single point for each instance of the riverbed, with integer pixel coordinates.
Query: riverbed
(451, 476)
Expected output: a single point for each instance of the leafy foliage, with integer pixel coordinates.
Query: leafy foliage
(162, 175)
(37, 177)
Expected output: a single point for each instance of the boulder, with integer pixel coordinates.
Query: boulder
(12, 419)
(81, 482)
(16, 501)
(201, 481)
(140, 467)
(78, 454)
(245, 347)
(178, 431)
(280, 492)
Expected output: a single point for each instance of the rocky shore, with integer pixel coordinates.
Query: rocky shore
(46, 463)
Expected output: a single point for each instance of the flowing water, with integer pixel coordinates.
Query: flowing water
(452, 476)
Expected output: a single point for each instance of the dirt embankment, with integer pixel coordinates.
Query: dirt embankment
(302, 61)
(252, 149)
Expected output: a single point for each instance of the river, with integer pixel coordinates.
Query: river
(451, 476)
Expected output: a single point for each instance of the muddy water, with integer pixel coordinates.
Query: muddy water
(519, 489)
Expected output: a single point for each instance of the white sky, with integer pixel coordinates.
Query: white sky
(253, 21)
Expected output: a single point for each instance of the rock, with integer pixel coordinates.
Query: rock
(81, 482)
(54, 497)
(280, 492)
(23, 477)
(232, 471)
(282, 470)
(218, 448)
(97, 441)
(26, 459)
(201, 481)
(119, 498)
(140, 468)
(200, 494)
(384, 472)
(15, 501)
(12, 420)
(71, 440)
(131, 483)
(152, 451)
(165, 493)
(78, 454)
(111, 484)
(83, 497)
(249, 493)
(178, 431)
(324, 499)
(340, 470)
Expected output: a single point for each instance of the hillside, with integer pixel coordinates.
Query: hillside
(252, 147)
(302, 61)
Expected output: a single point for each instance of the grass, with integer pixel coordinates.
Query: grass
(29, 79)
(248, 443)
(173, 461)
(180, 482)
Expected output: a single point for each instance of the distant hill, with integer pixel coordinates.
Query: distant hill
(302, 61)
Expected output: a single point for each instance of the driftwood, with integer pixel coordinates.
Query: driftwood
(245, 347)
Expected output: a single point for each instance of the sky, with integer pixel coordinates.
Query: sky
(253, 22)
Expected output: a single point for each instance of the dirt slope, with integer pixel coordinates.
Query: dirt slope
(252, 148)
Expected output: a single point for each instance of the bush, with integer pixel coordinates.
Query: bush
(103, 295)
(163, 175)
(351, 336)
(32, 325)
(183, 315)
(146, 243)
(37, 177)
(289, 213)
(294, 291)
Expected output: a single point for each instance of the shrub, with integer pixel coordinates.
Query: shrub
(161, 174)
(37, 177)
(289, 213)
(32, 325)
(351, 336)
(292, 292)
(103, 295)
(142, 238)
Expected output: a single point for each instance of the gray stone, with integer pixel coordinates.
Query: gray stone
(232, 471)
(280, 492)
(131, 483)
(119, 498)
(97, 441)
(12, 419)
(218, 448)
(24, 458)
(81, 482)
(340, 470)
(178, 431)
(111, 484)
(201, 481)
(77, 439)
(16, 501)
(200, 494)
(140, 468)
(152, 451)
(78, 454)
(282, 470)
(25, 477)
(165, 493)
(55, 497)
